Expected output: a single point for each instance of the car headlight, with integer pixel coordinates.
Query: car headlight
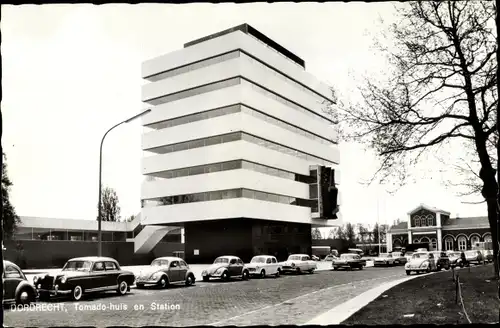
(257, 268)
(293, 264)
(204, 272)
(35, 280)
(219, 270)
(156, 275)
(424, 265)
(63, 280)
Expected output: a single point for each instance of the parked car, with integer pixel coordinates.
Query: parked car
(399, 258)
(408, 255)
(84, 275)
(356, 251)
(488, 256)
(384, 259)
(457, 259)
(299, 263)
(421, 262)
(264, 265)
(329, 258)
(442, 260)
(349, 261)
(164, 271)
(226, 267)
(474, 257)
(16, 288)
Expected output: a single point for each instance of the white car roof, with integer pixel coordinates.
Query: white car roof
(262, 256)
(169, 258)
(298, 255)
(93, 259)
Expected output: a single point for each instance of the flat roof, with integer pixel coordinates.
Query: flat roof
(247, 29)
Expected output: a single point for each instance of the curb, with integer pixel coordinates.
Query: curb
(345, 310)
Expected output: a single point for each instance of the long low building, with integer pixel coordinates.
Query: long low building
(49, 242)
(431, 225)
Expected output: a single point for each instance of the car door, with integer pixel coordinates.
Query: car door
(183, 269)
(12, 278)
(174, 271)
(111, 275)
(274, 264)
(269, 266)
(233, 267)
(97, 276)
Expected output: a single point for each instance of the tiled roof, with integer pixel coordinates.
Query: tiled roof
(401, 225)
(467, 222)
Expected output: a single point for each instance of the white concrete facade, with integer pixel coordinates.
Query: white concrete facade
(278, 118)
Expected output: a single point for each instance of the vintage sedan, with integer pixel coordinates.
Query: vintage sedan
(457, 259)
(329, 258)
(264, 265)
(349, 261)
(384, 259)
(421, 262)
(16, 288)
(399, 258)
(442, 260)
(84, 275)
(164, 271)
(226, 267)
(298, 263)
(474, 257)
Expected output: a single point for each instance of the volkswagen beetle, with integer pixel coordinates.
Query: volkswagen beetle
(225, 267)
(164, 271)
(16, 288)
(421, 262)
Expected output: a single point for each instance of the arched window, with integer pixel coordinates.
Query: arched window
(474, 239)
(425, 240)
(397, 243)
(416, 241)
(462, 243)
(448, 243)
(487, 238)
(417, 221)
(430, 220)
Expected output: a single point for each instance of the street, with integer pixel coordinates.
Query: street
(290, 299)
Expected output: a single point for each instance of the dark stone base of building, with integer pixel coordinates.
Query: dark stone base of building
(43, 254)
(244, 238)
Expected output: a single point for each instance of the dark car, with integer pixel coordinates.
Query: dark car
(85, 275)
(457, 259)
(348, 261)
(164, 271)
(225, 267)
(442, 260)
(16, 288)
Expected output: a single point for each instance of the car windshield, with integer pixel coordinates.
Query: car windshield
(385, 255)
(159, 263)
(294, 258)
(221, 260)
(77, 266)
(258, 259)
(471, 253)
(420, 256)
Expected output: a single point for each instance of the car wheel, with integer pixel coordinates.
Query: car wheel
(428, 269)
(408, 272)
(461, 264)
(335, 268)
(225, 276)
(245, 275)
(25, 296)
(163, 283)
(77, 293)
(190, 280)
(361, 267)
(447, 267)
(122, 287)
(297, 270)
(206, 279)
(139, 286)
(278, 272)
(311, 271)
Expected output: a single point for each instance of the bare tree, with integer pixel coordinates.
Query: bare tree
(110, 210)
(316, 233)
(441, 90)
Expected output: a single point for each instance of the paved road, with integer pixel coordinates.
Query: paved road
(294, 299)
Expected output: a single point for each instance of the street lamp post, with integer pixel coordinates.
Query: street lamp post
(99, 210)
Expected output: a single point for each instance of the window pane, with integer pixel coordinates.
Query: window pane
(214, 168)
(196, 170)
(181, 146)
(213, 141)
(196, 143)
(261, 195)
(231, 137)
(247, 193)
(272, 198)
(215, 195)
(233, 165)
(247, 165)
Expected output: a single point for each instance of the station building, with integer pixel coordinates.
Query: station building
(231, 146)
(431, 225)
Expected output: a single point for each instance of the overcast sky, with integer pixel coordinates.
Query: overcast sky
(72, 71)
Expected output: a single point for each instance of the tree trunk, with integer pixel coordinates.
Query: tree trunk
(492, 218)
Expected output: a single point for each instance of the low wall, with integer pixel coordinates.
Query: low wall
(42, 254)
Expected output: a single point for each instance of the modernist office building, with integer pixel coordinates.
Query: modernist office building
(435, 227)
(236, 128)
